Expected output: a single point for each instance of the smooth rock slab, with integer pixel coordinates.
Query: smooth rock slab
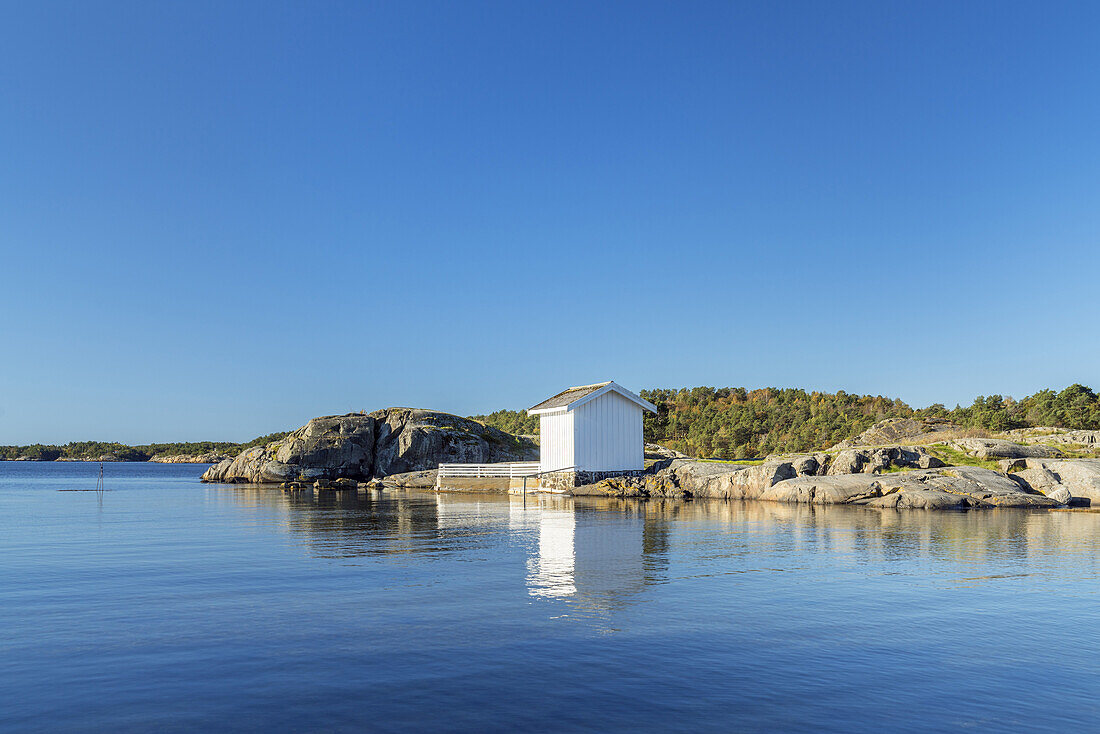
(993, 448)
(951, 487)
(957, 487)
(1079, 477)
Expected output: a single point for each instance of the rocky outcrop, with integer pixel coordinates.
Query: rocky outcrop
(871, 461)
(947, 488)
(1079, 478)
(692, 478)
(898, 430)
(660, 484)
(362, 446)
(684, 478)
(857, 479)
(657, 452)
(994, 448)
(1055, 436)
(412, 479)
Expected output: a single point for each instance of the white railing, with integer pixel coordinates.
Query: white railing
(509, 469)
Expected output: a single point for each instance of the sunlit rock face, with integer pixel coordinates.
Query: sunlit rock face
(367, 445)
(1077, 478)
(894, 477)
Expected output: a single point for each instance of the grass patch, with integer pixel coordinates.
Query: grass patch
(895, 469)
(954, 457)
(739, 462)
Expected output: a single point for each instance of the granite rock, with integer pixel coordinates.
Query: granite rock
(362, 446)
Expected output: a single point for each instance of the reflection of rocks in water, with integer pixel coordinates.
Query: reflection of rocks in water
(871, 535)
(349, 524)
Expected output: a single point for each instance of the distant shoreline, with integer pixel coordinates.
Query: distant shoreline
(178, 459)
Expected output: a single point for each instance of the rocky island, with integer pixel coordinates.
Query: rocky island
(898, 463)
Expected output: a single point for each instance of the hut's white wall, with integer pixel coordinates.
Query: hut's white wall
(555, 441)
(607, 434)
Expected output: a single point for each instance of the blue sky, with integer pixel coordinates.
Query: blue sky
(220, 219)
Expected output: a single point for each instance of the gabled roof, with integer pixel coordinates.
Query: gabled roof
(567, 396)
(573, 397)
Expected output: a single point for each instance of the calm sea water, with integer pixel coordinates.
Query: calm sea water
(174, 606)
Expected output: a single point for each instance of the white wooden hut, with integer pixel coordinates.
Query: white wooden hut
(591, 432)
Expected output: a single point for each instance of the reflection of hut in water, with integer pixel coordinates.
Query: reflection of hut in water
(597, 559)
(552, 570)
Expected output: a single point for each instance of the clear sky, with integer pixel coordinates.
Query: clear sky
(221, 219)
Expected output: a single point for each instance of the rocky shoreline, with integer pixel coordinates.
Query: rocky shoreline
(1029, 474)
(811, 480)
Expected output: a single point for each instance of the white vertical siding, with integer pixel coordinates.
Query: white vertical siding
(555, 441)
(607, 434)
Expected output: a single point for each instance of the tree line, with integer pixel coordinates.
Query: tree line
(512, 421)
(737, 423)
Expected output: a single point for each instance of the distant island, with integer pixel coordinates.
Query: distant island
(199, 452)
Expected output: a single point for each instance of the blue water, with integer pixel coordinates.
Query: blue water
(170, 605)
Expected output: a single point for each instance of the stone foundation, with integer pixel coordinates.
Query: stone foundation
(565, 480)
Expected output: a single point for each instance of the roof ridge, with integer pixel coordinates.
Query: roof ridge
(594, 384)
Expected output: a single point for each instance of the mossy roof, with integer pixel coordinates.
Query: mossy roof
(569, 395)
